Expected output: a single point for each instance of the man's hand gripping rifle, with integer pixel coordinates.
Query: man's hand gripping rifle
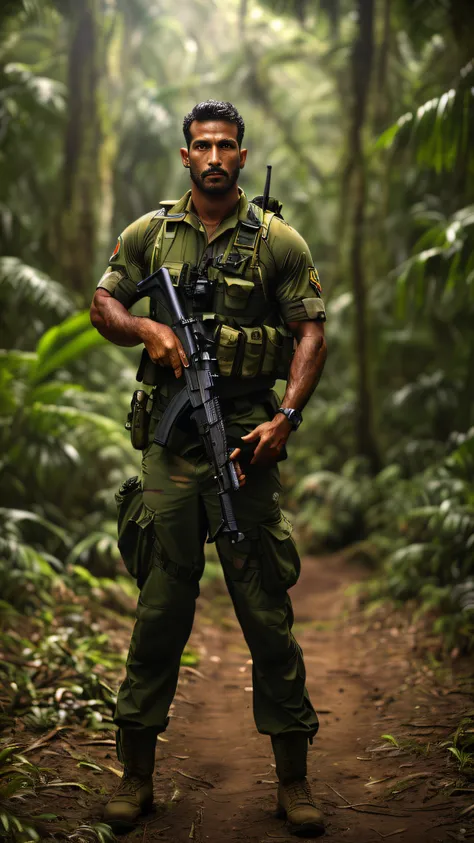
(198, 396)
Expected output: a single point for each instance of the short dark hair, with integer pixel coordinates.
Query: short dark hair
(213, 110)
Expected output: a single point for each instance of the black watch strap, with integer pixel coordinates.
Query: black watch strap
(294, 416)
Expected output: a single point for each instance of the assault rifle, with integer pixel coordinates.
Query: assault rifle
(198, 396)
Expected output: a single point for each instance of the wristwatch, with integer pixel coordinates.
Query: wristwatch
(294, 416)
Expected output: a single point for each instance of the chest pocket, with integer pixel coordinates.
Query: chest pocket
(237, 292)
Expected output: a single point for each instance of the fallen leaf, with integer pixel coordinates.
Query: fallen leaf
(378, 781)
(90, 765)
(65, 784)
(114, 770)
(44, 739)
(194, 778)
(193, 670)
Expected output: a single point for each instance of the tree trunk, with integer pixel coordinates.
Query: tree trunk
(362, 60)
(114, 79)
(462, 22)
(84, 135)
(382, 94)
(243, 10)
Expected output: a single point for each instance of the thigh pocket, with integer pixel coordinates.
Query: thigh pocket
(280, 561)
(239, 561)
(135, 529)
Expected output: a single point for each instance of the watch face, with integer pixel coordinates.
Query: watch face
(294, 417)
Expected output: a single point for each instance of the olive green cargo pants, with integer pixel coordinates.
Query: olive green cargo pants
(179, 495)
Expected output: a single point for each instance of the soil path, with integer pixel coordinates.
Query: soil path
(215, 778)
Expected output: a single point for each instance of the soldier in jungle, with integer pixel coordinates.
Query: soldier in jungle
(264, 301)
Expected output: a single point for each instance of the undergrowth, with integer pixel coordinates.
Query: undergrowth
(60, 654)
(416, 532)
(21, 780)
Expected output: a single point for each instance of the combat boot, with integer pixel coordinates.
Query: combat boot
(134, 795)
(295, 800)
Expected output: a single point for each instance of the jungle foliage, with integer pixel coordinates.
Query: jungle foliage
(366, 112)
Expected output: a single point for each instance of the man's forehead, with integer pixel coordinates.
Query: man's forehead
(213, 130)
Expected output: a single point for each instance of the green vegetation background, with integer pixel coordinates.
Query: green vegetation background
(365, 110)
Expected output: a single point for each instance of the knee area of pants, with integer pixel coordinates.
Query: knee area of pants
(170, 589)
(161, 623)
(271, 642)
(158, 631)
(284, 658)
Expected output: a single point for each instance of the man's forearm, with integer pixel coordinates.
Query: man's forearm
(115, 323)
(305, 371)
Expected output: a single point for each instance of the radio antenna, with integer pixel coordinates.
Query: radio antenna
(266, 192)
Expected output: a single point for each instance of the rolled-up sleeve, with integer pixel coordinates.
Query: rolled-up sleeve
(298, 290)
(127, 263)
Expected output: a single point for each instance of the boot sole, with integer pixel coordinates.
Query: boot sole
(122, 826)
(310, 829)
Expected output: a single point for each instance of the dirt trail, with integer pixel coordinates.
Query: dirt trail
(364, 682)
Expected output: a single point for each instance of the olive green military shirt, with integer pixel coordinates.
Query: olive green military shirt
(284, 258)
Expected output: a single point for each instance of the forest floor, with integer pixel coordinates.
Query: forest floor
(368, 676)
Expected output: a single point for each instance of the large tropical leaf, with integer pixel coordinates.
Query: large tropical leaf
(23, 286)
(440, 273)
(45, 92)
(65, 344)
(441, 129)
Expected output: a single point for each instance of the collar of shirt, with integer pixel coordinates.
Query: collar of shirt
(183, 209)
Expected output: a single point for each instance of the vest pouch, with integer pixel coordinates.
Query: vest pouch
(229, 345)
(280, 561)
(237, 292)
(253, 352)
(135, 529)
(273, 350)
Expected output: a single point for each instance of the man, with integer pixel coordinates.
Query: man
(257, 292)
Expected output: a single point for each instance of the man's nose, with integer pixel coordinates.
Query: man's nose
(214, 156)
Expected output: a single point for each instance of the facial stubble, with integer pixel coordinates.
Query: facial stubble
(202, 181)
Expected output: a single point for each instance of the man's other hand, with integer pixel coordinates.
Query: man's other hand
(271, 436)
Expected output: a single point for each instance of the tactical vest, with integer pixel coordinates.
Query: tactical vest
(230, 293)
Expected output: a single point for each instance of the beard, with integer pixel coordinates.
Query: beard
(201, 181)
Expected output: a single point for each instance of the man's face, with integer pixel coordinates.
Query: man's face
(214, 157)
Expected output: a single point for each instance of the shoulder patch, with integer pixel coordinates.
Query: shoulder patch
(116, 251)
(314, 280)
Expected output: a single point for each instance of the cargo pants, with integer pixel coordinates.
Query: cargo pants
(180, 502)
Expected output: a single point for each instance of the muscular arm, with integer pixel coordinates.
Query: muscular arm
(307, 364)
(116, 324)
(113, 320)
(305, 371)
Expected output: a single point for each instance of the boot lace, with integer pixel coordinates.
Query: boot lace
(299, 793)
(129, 785)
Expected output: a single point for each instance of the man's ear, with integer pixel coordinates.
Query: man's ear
(184, 156)
(243, 158)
